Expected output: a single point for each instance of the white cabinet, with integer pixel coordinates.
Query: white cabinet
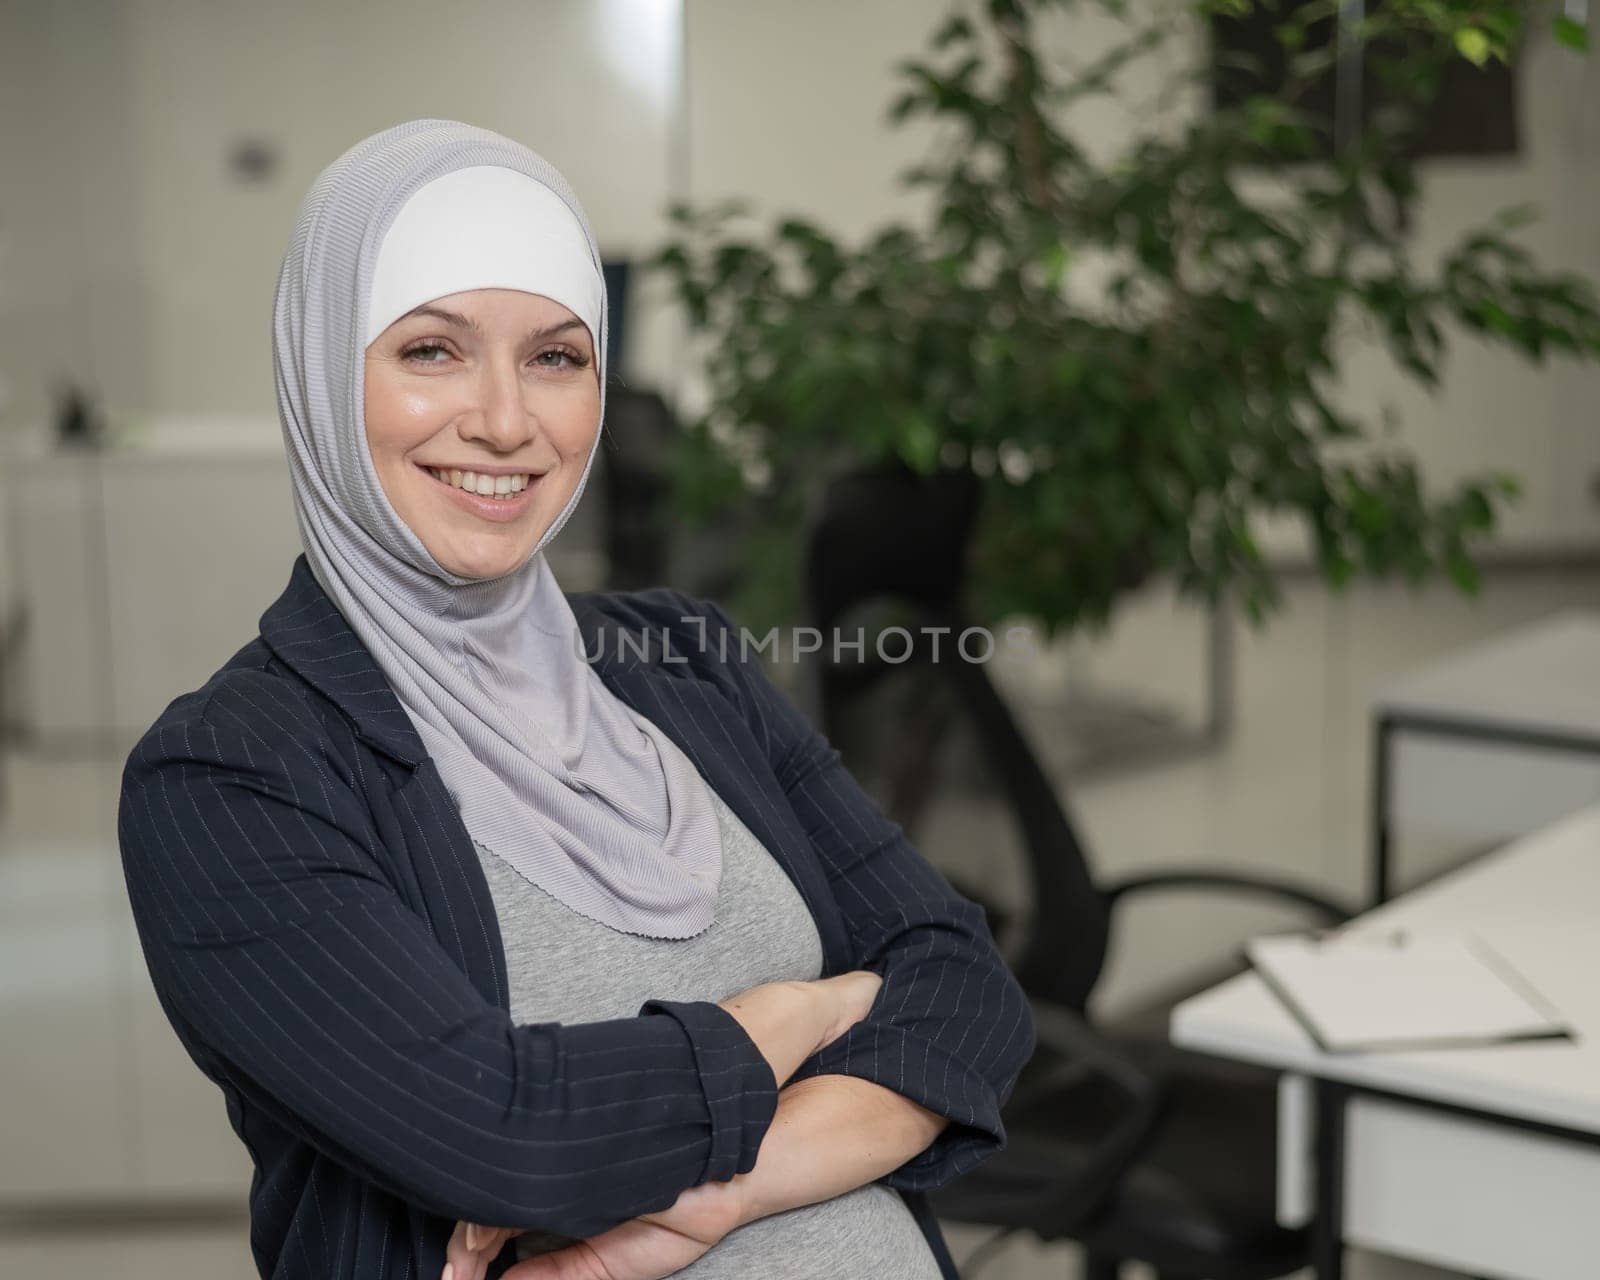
(141, 570)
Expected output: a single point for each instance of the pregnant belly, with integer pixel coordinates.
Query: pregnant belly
(865, 1232)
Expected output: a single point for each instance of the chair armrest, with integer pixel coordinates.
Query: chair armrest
(1232, 882)
(1070, 1035)
(1075, 1200)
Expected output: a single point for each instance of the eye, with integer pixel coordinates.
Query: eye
(572, 358)
(425, 353)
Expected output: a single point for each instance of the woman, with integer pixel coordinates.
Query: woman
(501, 917)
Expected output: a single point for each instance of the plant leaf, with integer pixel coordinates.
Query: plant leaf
(1572, 33)
(1473, 45)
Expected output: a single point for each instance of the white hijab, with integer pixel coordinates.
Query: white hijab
(587, 799)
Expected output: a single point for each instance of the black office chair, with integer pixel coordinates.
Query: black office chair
(1117, 1139)
(639, 435)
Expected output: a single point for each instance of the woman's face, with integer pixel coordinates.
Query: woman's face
(492, 387)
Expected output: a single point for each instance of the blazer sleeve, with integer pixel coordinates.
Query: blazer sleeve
(951, 1028)
(274, 936)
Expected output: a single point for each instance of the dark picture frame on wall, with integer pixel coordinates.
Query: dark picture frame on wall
(1474, 112)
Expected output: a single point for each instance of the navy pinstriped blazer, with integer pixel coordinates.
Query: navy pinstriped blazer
(321, 936)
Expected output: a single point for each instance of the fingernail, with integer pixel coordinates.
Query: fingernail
(472, 1236)
(449, 1271)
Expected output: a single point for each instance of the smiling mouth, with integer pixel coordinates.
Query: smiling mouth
(478, 485)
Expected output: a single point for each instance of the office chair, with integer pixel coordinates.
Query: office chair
(1117, 1139)
(635, 482)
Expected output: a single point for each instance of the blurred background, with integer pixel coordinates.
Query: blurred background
(1243, 361)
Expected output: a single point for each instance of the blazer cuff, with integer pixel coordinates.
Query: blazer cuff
(917, 1068)
(741, 1093)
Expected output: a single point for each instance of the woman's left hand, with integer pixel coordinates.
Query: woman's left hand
(472, 1248)
(646, 1248)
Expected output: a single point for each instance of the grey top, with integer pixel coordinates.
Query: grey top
(564, 967)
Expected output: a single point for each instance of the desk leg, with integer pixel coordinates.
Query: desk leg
(1327, 1228)
(1382, 751)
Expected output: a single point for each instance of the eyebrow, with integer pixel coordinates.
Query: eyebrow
(472, 326)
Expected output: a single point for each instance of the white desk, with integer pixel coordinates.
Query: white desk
(1488, 743)
(1486, 1160)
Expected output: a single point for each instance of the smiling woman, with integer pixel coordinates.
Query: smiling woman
(494, 392)
(511, 961)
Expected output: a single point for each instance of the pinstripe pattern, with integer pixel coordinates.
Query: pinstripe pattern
(322, 938)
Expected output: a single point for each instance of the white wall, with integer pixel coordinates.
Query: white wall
(154, 266)
(1493, 409)
(128, 251)
(64, 228)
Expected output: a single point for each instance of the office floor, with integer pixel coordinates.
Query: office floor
(1286, 791)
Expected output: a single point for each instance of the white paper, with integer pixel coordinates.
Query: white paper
(1373, 990)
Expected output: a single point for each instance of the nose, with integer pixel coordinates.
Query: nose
(504, 420)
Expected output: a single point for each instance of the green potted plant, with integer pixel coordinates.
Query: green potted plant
(1149, 428)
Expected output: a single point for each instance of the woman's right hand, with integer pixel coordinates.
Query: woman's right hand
(788, 1021)
(852, 995)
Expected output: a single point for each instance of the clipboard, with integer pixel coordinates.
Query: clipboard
(1369, 991)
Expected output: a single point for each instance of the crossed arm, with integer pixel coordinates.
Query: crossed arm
(829, 1135)
(951, 1029)
(909, 1095)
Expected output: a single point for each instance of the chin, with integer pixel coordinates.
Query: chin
(487, 562)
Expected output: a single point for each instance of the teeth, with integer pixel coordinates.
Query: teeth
(486, 486)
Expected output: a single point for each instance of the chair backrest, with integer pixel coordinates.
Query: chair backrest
(640, 432)
(890, 533)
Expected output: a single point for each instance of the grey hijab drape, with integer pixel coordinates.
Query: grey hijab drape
(585, 798)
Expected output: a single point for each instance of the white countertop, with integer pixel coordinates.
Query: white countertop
(166, 438)
(1544, 677)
